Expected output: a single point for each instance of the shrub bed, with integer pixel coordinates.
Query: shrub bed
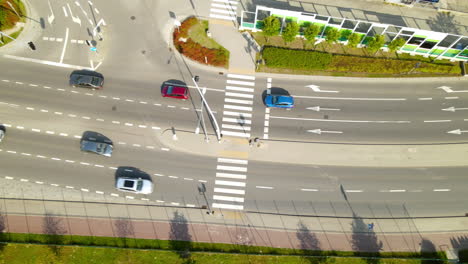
(313, 60)
(194, 50)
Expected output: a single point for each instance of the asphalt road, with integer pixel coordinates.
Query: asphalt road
(46, 118)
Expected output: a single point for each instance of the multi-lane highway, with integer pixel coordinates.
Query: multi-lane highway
(45, 119)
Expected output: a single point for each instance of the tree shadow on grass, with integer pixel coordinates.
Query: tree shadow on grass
(308, 244)
(429, 252)
(364, 239)
(125, 231)
(180, 238)
(55, 231)
(3, 235)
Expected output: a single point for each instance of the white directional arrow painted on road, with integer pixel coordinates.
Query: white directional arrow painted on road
(316, 88)
(75, 19)
(453, 109)
(449, 90)
(457, 131)
(51, 17)
(318, 108)
(319, 131)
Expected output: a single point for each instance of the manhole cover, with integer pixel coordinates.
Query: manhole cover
(143, 52)
(325, 117)
(132, 17)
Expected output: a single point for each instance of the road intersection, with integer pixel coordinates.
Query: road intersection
(385, 146)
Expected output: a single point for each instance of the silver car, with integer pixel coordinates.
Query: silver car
(2, 133)
(134, 185)
(96, 143)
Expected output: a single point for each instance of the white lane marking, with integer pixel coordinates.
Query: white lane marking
(350, 98)
(424, 98)
(234, 161)
(39, 182)
(235, 134)
(228, 198)
(9, 178)
(238, 101)
(230, 183)
(231, 191)
(241, 83)
(436, 121)
(25, 154)
(227, 206)
(18, 82)
(441, 190)
(64, 45)
(65, 11)
(264, 187)
(343, 121)
(114, 194)
(235, 107)
(174, 203)
(173, 177)
(240, 89)
(231, 168)
(84, 190)
(319, 131)
(227, 2)
(164, 149)
(239, 76)
(451, 97)
(129, 197)
(354, 191)
(30, 108)
(24, 180)
(54, 184)
(397, 190)
(33, 85)
(231, 175)
(69, 187)
(317, 89)
(155, 128)
(99, 192)
(309, 190)
(242, 115)
(51, 63)
(237, 120)
(188, 179)
(223, 17)
(239, 95)
(5, 80)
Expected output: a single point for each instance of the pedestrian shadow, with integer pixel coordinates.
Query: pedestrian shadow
(180, 238)
(429, 253)
(365, 240)
(309, 244)
(55, 231)
(125, 231)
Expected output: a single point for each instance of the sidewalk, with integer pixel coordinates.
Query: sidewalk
(57, 210)
(321, 154)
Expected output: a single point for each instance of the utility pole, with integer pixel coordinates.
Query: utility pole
(195, 79)
(201, 120)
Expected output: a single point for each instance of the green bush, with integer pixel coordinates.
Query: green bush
(295, 59)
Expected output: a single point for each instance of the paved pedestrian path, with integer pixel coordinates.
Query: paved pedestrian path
(27, 208)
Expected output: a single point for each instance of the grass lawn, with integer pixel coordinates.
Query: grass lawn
(28, 253)
(8, 17)
(7, 40)
(198, 34)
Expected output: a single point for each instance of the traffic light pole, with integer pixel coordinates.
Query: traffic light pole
(218, 133)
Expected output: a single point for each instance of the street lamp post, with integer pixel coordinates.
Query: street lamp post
(202, 190)
(218, 133)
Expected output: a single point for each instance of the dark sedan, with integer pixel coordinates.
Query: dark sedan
(87, 79)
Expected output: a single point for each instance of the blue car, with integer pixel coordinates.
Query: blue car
(280, 101)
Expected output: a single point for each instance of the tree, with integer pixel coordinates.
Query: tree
(271, 26)
(331, 34)
(290, 31)
(354, 39)
(396, 44)
(311, 32)
(375, 43)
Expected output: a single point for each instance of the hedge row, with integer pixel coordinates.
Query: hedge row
(295, 59)
(195, 51)
(313, 60)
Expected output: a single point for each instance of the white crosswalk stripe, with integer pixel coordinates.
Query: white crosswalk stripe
(228, 198)
(234, 161)
(235, 127)
(231, 191)
(240, 89)
(231, 168)
(231, 175)
(238, 114)
(238, 101)
(228, 206)
(239, 95)
(224, 9)
(230, 183)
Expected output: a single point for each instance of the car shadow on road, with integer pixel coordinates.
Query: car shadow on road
(131, 172)
(180, 238)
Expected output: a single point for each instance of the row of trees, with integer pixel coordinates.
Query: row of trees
(272, 26)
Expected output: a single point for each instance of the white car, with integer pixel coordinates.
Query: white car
(134, 185)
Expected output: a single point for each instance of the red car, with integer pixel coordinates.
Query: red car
(177, 92)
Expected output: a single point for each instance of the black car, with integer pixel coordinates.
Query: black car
(96, 143)
(86, 79)
(2, 132)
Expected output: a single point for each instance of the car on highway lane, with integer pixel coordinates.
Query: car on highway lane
(279, 101)
(96, 143)
(178, 92)
(86, 79)
(2, 132)
(134, 185)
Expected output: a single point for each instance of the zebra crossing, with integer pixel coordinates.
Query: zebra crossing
(229, 189)
(238, 104)
(224, 9)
